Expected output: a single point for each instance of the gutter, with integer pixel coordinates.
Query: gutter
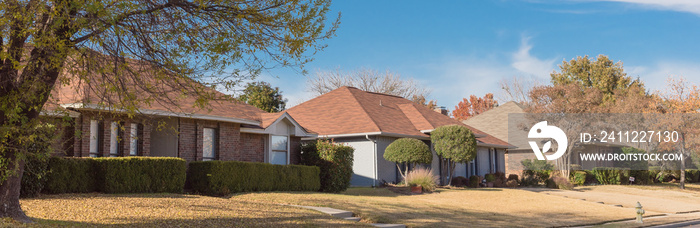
(374, 184)
(79, 106)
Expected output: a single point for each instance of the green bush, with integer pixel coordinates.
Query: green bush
(34, 175)
(536, 172)
(590, 177)
(408, 151)
(530, 179)
(38, 149)
(460, 181)
(692, 175)
(225, 177)
(334, 160)
(513, 177)
(535, 177)
(654, 172)
(578, 178)
(490, 177)
(640, 177)
(611, 175)
(140, 174)
(70, 175)
(474, 181)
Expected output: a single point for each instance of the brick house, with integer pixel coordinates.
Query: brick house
(226, 130)
(369, 122)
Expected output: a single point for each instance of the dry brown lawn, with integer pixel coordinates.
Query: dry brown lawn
(167, 210)
(456, 207)
(445, 208)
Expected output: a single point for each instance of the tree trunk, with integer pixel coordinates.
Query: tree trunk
(682, 182)
(9, 191)
(402, 175)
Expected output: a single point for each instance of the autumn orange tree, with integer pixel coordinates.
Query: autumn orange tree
(584, 85)
(681, 102)
(474, 106)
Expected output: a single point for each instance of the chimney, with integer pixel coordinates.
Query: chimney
(441, 110)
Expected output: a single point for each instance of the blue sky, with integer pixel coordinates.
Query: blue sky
(459, 48)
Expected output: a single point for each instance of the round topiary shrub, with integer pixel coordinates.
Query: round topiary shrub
(408, 151)
(456, 143)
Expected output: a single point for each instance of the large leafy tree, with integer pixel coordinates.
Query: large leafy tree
(263, 96)
(453, 144)
(474, 106)
(110, 46)
(584, 85)
(600, 73)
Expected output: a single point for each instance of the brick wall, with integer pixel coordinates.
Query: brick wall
(513, 159)
(187, 144)
(252, 148)
(231, 143)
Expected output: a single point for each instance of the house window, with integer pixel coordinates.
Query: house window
(209, 144)
(279, 149)
(134, 139)
(114, 139)
(94, 138)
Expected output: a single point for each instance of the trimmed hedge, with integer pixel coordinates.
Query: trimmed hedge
(611, 175)
(578, 178)
(34, 175)
(140, 174)
(225, 177)
(70, 175)
(641, 177)
(115, 175)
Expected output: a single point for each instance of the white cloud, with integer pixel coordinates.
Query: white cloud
(655, 75)
(690, 6)
(524, 62)
(461, 76)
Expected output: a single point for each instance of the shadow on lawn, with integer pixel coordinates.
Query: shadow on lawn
(310, 220)
(447, 216)
(107, 195)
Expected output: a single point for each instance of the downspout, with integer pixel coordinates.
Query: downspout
(375, 160)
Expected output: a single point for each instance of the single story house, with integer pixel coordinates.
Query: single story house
(225, 130)
(369, 122)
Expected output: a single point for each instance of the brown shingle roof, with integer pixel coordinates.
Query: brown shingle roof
(348, 110)
(495, 122)
(153, 94)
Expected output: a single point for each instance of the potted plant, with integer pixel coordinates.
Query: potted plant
(417, 189)
(420, 180)
(490, 178)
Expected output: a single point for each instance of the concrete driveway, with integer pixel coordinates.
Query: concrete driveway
(653, 200)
